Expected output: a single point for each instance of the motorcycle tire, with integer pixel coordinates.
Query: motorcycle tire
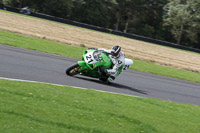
(73, 70)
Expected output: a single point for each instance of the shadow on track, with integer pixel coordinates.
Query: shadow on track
(116, 85)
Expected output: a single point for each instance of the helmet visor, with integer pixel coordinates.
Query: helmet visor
(114, 54)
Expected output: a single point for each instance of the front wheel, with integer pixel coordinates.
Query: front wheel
(73, 70)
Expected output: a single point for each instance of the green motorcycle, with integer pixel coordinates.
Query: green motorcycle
(93, 61)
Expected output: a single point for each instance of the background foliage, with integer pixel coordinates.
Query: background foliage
(176, 21)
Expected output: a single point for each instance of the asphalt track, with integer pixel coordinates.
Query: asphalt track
(32, 65)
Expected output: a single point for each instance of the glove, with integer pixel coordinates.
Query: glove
(105, 71)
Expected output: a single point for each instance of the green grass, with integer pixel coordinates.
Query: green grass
(76, 52)
(17, 40)
(42, 108)
(165, 71)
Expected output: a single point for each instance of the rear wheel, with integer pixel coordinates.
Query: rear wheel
(73, 70)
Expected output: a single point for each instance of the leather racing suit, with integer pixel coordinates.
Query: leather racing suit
(117, 64)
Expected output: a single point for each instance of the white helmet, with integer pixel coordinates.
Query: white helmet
(116, 51)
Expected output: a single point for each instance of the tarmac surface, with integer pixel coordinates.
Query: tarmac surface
(19, 63)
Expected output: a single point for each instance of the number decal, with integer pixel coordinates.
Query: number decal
(90, 61)
(119, 62)
(89, 58)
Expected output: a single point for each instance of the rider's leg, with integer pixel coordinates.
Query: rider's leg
(113, 76)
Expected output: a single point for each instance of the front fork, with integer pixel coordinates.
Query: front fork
(90, 71)
(83, 65)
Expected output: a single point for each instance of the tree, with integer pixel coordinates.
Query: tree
(182, 17)
(59, 8)
(17, 3)
(95, 12)
(124, 10)
(135, 12)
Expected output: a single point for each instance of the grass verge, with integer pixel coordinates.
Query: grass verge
(21, 41)
(39, 108)
(76, 52)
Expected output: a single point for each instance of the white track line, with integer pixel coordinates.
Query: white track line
(22, 80)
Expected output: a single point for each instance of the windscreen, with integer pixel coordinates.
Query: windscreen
(97, 55)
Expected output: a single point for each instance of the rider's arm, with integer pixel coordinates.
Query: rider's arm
(113, 70)
(117, 65)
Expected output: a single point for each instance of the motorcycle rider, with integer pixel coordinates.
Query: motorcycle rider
(118, 60)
